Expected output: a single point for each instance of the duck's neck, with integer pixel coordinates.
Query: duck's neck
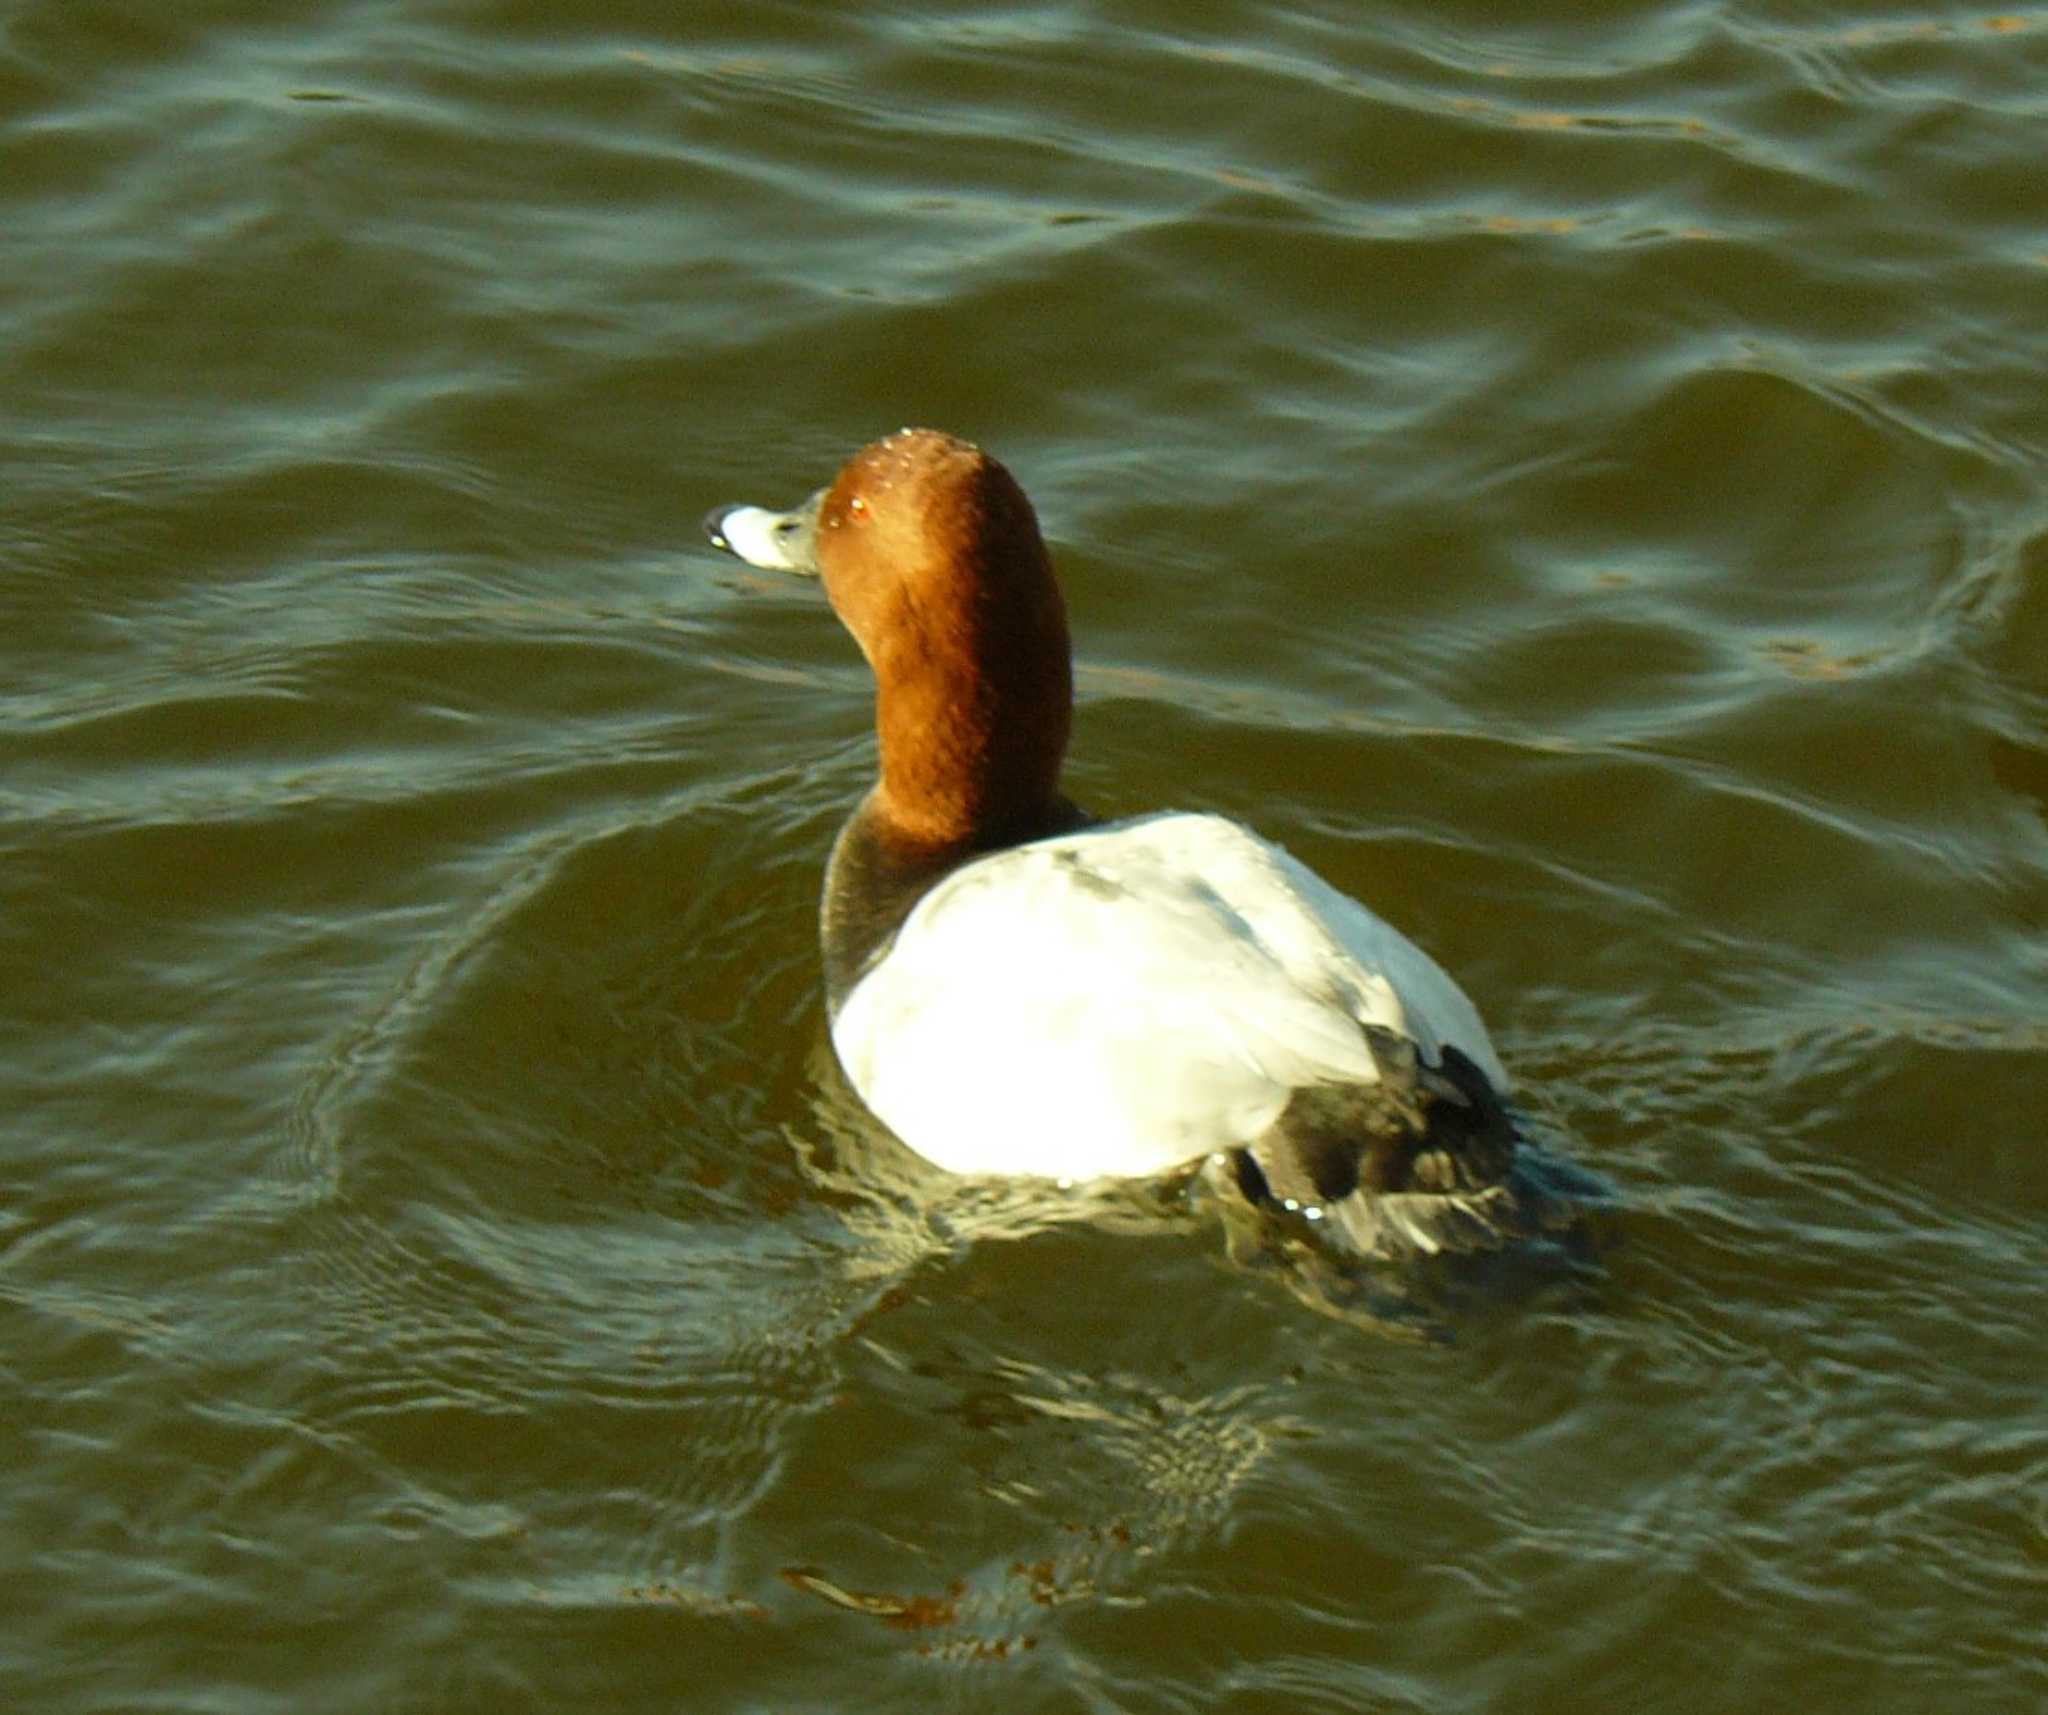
(909, 833)
(973, 706)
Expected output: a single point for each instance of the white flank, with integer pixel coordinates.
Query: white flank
(1125, 999)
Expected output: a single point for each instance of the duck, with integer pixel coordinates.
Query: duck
(1015, 987)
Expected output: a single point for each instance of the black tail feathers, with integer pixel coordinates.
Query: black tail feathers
(1425, 1160)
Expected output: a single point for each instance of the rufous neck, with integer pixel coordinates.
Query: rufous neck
(973, 717)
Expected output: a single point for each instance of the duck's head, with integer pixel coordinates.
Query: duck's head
(931, 556)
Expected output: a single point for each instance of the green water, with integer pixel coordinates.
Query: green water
(1577, 475)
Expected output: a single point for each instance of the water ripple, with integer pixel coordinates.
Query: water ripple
(1571, 474)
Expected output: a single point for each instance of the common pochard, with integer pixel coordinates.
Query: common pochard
(1017, 988)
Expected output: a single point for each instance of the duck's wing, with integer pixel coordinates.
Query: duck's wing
(1317, 930)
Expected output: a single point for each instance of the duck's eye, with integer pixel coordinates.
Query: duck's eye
(786, 528)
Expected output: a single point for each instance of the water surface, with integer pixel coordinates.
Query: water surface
(1573, 473)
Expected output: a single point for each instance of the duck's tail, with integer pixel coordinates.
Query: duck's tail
(1425, 1160)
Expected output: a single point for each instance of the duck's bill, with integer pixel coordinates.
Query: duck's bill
(774, 541)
